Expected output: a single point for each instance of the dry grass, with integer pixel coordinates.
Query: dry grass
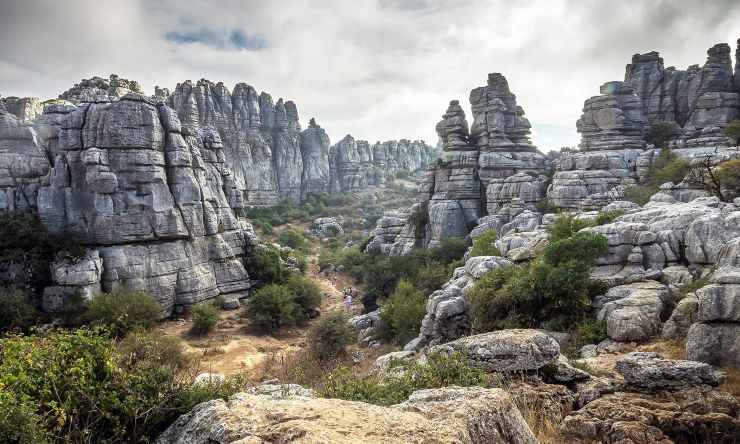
(670, 349)
(732, 383)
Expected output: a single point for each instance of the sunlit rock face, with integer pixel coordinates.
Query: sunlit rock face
(315, 152)
(24, 108)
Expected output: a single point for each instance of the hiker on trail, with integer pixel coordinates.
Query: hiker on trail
(348, 301)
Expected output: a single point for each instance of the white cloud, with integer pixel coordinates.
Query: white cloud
(378, 69)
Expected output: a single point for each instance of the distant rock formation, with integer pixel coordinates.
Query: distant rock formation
(699, 101)
(98, 89)
(482, 170)
(354, 164)
(24, 108)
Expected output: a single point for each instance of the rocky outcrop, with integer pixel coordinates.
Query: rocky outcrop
(450, 415)
(715, 337)
(315, 147)
(482, 170)
(651, 372)
(98, 89)
(633, 312)
(147, 194)
(699, 101)
(355, 164)
(24, 108)
(24, 165)
(696, 414)
(446, 315)
(517, 350)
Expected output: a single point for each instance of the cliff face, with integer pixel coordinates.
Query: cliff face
(155, 187)
(146, 193)
(699, 101)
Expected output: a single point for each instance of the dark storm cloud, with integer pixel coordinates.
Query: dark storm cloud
(378, 69)
(223, 39)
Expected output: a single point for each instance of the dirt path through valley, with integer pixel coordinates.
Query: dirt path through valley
(231, 348)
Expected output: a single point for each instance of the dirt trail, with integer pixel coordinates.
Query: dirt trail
(232, 349)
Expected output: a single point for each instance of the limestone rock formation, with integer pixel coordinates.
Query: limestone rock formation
(451, 415)
(355, 164)
(315, 147)
(633, 312)
(98, 89)
(482, 170)
(147, 193)
(24, 165)
(505, 350)
(651, 372)
(24, 108)
(697, 414)
(699, 101)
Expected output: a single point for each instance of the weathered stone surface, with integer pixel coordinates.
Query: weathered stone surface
(446, 315)
(327, 227)
(505, 350)
(315, 153)
(449, 415)
(682, 317)
(699, 101)
(23, 165)
(719, 303)
(98, 89)
(651, 372)
(691, 415)
(633, 312)
(717, 344)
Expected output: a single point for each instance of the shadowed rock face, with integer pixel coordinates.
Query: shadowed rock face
(147, 193)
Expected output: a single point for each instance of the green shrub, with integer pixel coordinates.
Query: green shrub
(588, 331)
(667, 167)
(25, 240)
(293, 239)
(483, 245)
(265, 265)
(80, 386)
(272, 307)
(402, 313)
(660, 134)
(551, 292)
(393, 388)
(431, 277)
(123, 310)
(545, 206)
(306, 292)
(728, 174)
(205, 317)
(607, 217)
(330, 336)
(566, 225)
(732, 130)
(16, 310)
(449, 250)
(639, 194)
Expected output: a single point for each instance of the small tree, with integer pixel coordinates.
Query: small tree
(16, 310)
(273, 306)
(331, 335)
(706, 174)
(483, 245)
(402, 313)
(733, 131)
(123, 310)
(265, 265)
(660, 134)
(205, 316)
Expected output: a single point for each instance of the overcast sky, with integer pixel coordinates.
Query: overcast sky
(377, 69)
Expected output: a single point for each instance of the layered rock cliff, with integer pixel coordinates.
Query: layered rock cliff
(481, 172)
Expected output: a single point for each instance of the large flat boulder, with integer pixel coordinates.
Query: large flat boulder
(448, 415)
(512, 350)
(650, 372)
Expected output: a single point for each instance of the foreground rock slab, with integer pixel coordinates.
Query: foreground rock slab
(449, 415)
(650, 371)
(688, 416)
(506, 350)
